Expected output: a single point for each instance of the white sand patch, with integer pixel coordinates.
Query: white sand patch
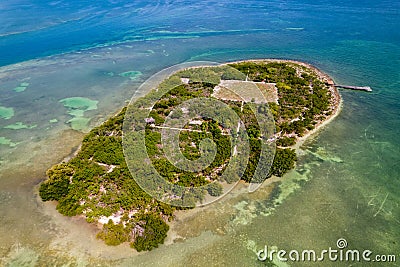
(115, 218)
(185, 80)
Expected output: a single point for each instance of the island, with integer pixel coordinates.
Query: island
(102, 185)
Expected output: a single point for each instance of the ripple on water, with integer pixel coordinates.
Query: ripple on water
(20, 125)
(22, 87)
(7, 142)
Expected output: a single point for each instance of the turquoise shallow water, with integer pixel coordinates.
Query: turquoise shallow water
(347, 180)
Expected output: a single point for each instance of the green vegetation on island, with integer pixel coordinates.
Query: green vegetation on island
(304, 99)
(98, 184)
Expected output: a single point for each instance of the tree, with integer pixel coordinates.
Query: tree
(154, 232)
(214, 189)
(113, 234)
(283, 162)
(57, 184)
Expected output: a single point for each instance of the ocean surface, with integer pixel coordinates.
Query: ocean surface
(57, 57)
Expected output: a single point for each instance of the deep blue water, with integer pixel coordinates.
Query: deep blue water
(32, 29)
(68, 48)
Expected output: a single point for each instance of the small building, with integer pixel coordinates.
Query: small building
(150, 120)
(185, 80)
(330, 82)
